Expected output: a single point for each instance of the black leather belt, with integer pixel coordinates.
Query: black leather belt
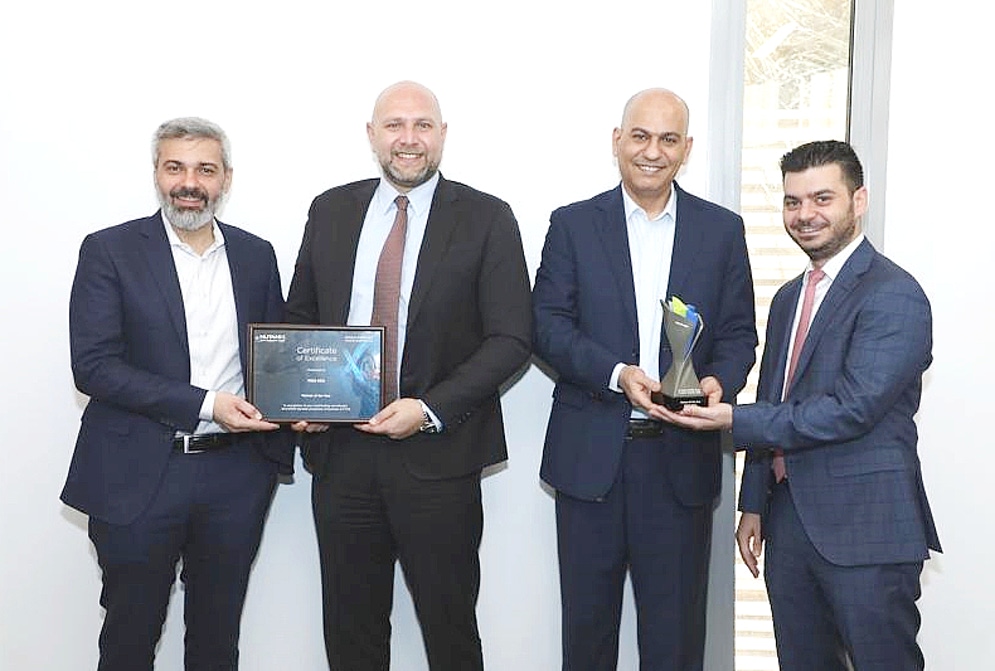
(203, 442)
(644, 428)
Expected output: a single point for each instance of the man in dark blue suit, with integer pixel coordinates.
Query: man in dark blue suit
(171, 463)
(833, 480)
(632, 493)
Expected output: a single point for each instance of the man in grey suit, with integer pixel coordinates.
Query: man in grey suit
(833, 480)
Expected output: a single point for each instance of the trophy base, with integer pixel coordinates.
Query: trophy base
(676, 403)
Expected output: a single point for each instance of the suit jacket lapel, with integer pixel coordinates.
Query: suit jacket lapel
(237, 259)
(687, 243)
(687, 247)
(442, 221)
(782, 317)
(614, 238)
(163, 271)
(842, 286)
(345, 241)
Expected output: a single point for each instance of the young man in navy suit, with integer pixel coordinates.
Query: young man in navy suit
(833, 481)
(632, 493)
(172, 463)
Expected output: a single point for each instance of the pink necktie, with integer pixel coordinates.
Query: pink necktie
(816, 274)
(387, 295)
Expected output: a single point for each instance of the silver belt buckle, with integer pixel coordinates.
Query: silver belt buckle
(186, 445)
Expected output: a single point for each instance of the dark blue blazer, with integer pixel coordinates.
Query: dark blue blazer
(584, 308)
(846, 426)
(128, 340)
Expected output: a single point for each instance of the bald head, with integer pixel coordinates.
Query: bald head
(406, 92)
(656, 98)
(407, 134)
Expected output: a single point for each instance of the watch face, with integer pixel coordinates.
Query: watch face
(427, 425)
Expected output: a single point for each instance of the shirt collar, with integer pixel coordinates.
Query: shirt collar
(419, 198)
(669, 209)
(834, 265)
(174, 239)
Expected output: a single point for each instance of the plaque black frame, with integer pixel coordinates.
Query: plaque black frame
(315, 373)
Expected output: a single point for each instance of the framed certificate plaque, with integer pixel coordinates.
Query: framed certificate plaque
(315, 373)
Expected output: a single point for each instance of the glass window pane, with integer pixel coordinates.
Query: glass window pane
(796, 90)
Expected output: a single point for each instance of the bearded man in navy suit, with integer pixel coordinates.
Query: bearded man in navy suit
(171, 462)
(833, 482)
(632, 493)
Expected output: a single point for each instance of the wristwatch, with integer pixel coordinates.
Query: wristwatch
(427, 425)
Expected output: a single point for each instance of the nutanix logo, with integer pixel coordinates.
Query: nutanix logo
(271, 337)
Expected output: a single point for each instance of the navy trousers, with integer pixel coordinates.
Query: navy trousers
(826, 615)
(642, 528)
(208, 513)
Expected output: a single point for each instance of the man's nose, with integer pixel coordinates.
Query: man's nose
(190, 178)
(408, 135)
(806, 210)
(654, 149)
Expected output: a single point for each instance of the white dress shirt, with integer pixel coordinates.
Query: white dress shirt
(376, 226)
(651, 245)
(212, 323)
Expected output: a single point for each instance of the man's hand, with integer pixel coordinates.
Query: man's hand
(749, 540)
(237, 415)
(637, 387)
(400, 419)
(697, 417)
(712, 388)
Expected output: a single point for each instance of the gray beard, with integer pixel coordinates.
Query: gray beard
(188, 220)
(409, 183)
(185, 219)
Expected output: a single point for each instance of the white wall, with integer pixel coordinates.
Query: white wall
(82, 86)
(531, 92)
(939, 225)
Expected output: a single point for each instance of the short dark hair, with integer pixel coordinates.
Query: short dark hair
(825, 152)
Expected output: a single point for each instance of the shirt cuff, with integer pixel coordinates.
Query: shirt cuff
(431, 415)
(613, 380)
(207, 407)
